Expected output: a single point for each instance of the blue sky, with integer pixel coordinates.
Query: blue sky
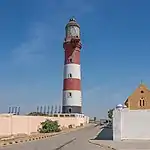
(114, 57)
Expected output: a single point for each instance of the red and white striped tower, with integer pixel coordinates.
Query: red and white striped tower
(72, 96)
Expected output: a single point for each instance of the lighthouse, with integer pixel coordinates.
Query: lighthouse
(72, 95)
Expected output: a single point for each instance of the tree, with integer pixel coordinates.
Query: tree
(110, 113)
(49, 126)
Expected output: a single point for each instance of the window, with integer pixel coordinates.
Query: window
(70, 60)
(69, 94)
(69, 110)
(70, 75)
(142, 91)
(142, 102)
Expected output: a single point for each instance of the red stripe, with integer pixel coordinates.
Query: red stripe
(72, 84)
(69, 58)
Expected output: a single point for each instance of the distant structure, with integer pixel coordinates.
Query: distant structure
(139, 99)
(41, 109)
(52, 110)
(59, 111)
(14, 110)
(18, 112)
(9, 110)
(37, 109)
(44, 110)
(119, 106)
(72, 96)
(55, 109)
(48, 109)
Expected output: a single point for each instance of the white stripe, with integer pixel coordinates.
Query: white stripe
(72, 71)
(75, 99)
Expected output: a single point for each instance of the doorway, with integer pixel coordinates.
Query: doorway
(70, 110)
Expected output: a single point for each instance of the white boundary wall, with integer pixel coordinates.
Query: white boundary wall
(17, 124)
(131, 124)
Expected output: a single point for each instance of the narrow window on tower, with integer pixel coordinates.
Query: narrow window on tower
(70, 75)
(70, 60)
(69, 95)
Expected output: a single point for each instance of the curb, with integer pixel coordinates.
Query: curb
(27, 139)
(102, 145)
(36, 137)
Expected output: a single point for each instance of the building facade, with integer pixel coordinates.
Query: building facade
(131, 123)
(72, 95)
(139, 99)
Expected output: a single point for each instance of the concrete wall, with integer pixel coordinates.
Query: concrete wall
(13, 124)
(116, 125)
(131, 124)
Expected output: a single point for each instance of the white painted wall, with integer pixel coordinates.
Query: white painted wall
(116, 125)
(73, 69)
(131, 124)
(16, 124)
(74, 100)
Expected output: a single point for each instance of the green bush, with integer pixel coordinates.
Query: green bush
(70, 126)
(81, 124)
(110, 113)
(36, 114)
(49, 126)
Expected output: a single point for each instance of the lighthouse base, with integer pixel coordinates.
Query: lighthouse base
(72, 109)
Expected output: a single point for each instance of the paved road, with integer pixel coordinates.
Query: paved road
(77, 140)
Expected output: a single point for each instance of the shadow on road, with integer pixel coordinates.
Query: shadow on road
(105, 134)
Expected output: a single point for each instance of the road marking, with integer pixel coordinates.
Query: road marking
(59, 148)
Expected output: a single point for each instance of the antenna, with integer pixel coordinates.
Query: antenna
(48, 109)
(41, 108)
(59, 110)
(12, 110)
(52, 109)
(9, 110)
(15, 109)
(37, 110)
(44, 109)
(18, 111)
(55, 109)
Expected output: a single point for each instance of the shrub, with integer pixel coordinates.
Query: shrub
(81, 124)
(110, 113)
(70, 126)
(36, 114)
(49, 126)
